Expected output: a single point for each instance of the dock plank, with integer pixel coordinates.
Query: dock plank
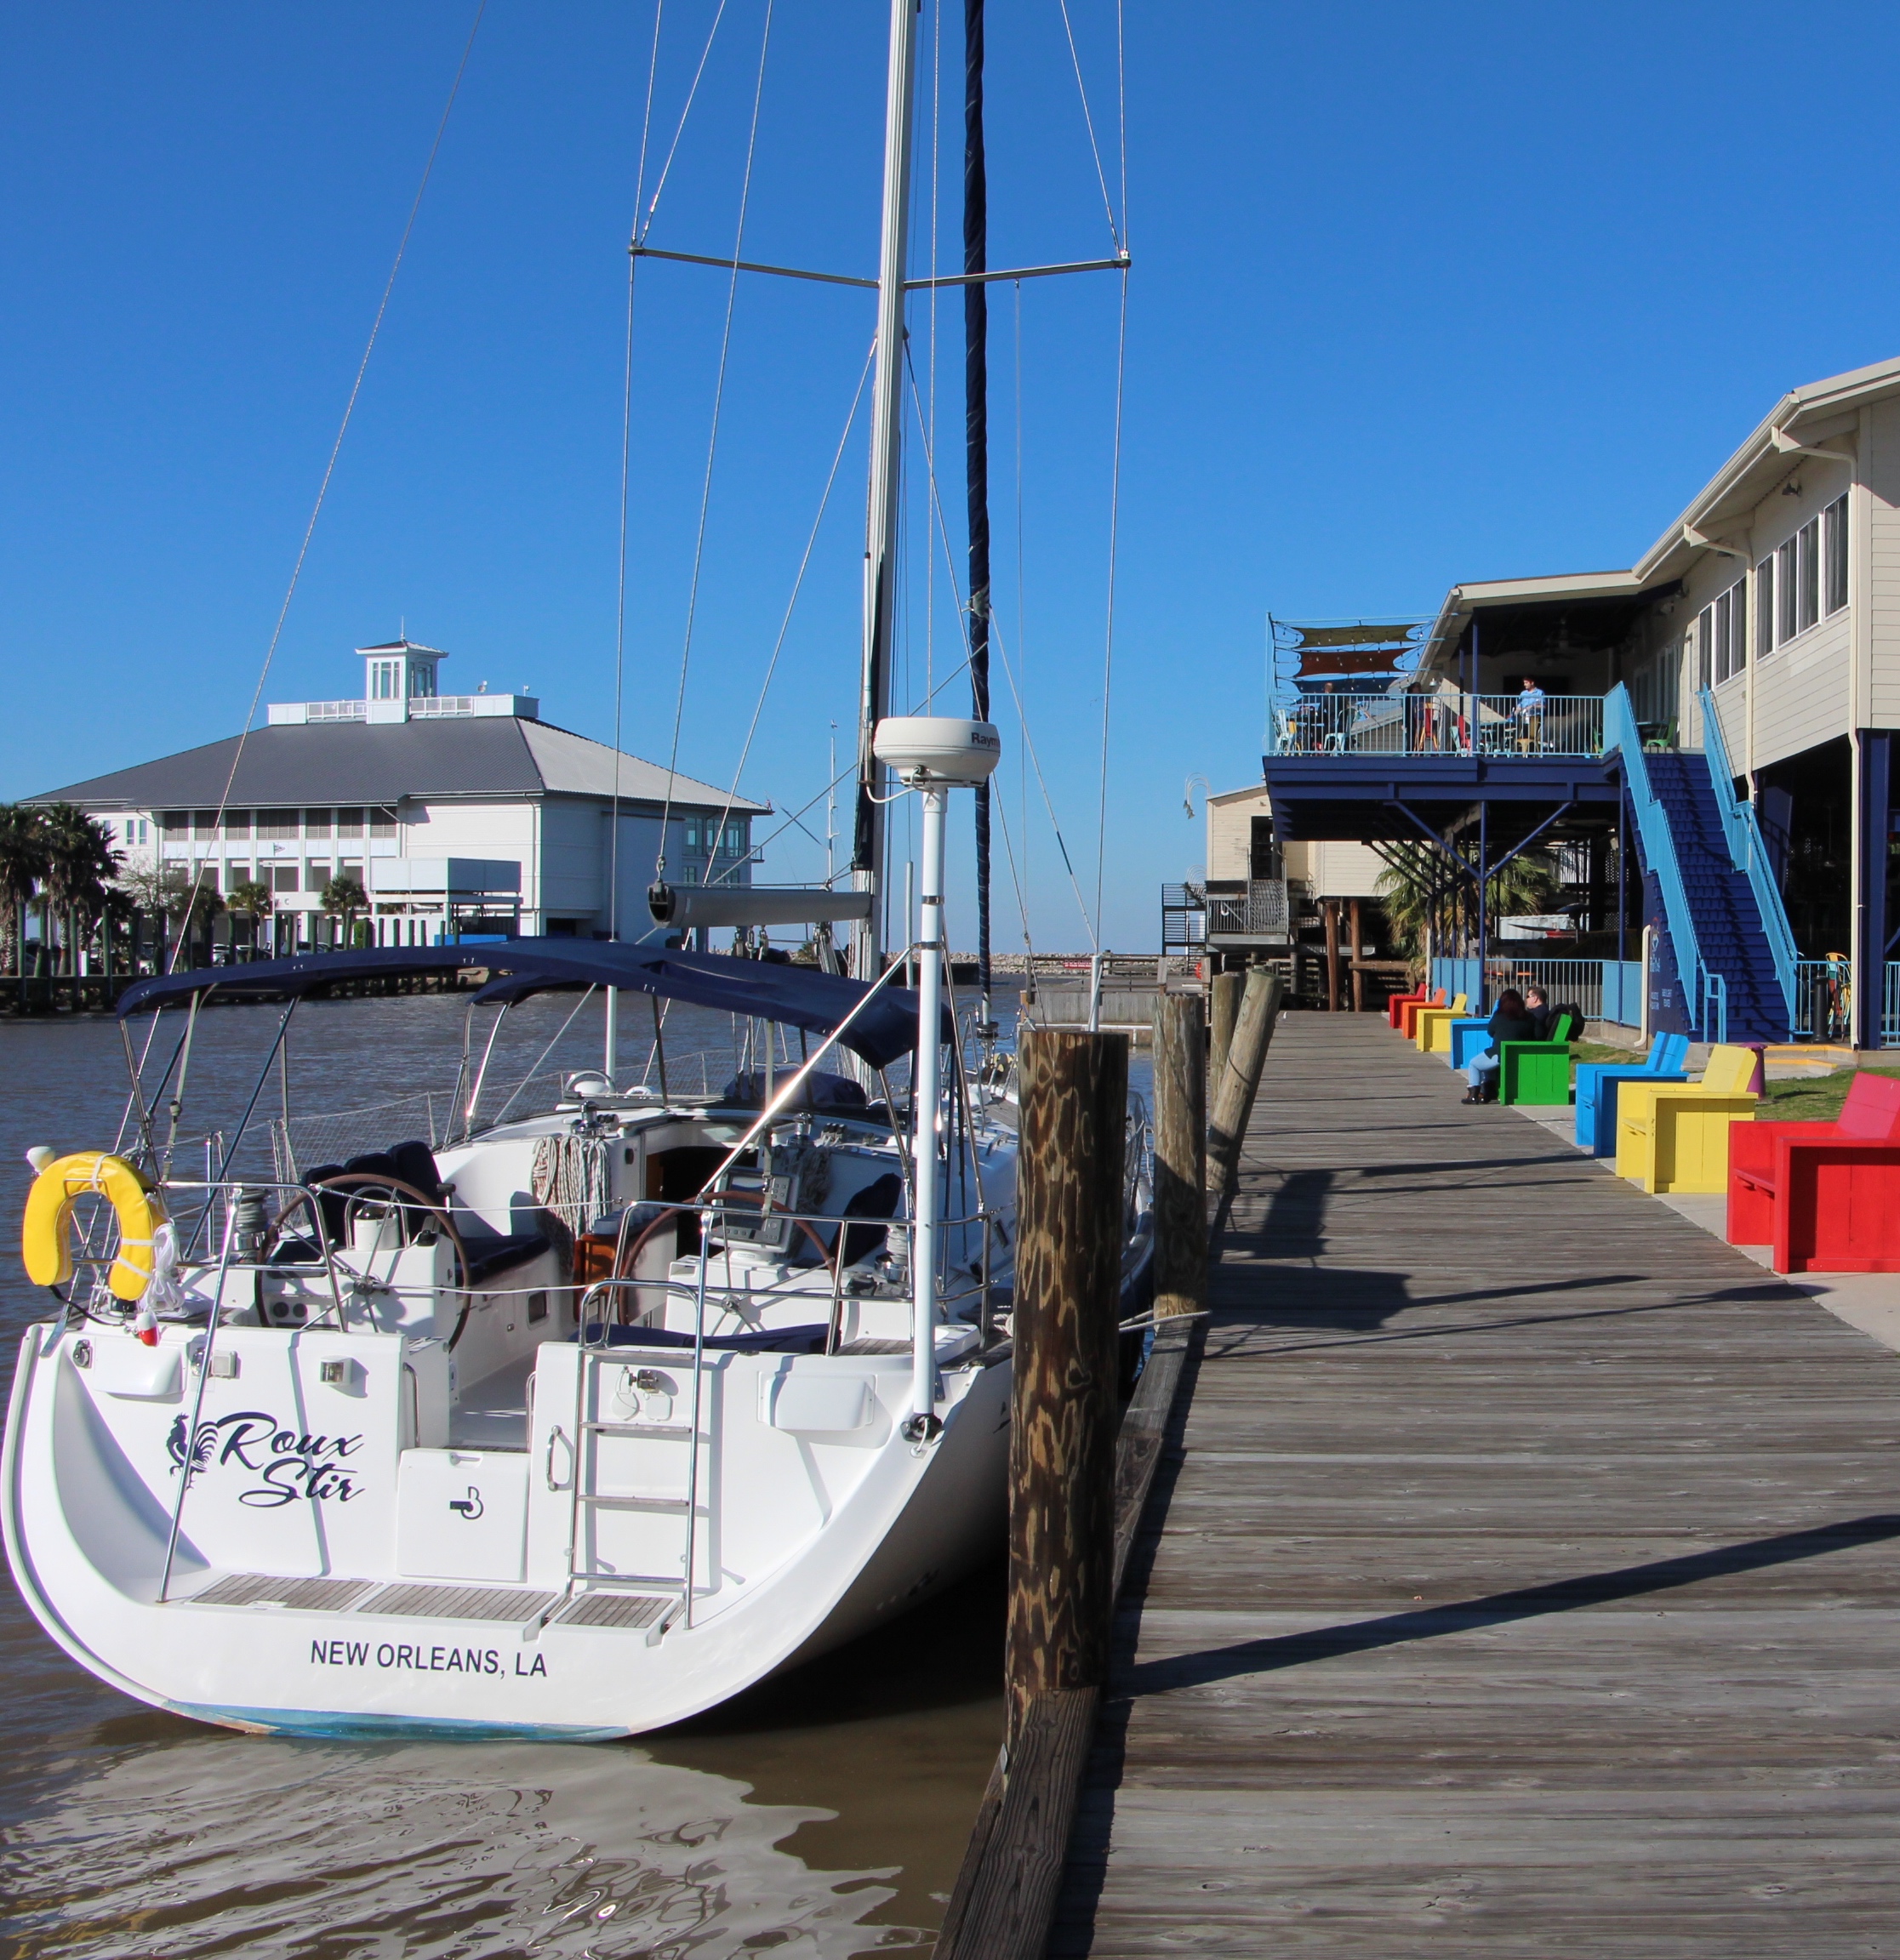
(1528, 1578)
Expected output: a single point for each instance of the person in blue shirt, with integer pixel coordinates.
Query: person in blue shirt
(1530, 718)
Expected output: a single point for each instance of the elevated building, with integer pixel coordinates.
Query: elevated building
(1710, 730)
(456, 813)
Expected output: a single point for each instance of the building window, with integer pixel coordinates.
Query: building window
(1731, 630)
(1807, 575)
(349, 823)
(1764, 606)
(283, 877)
(1834, 553)
(382, 822)
(319, 875)
(692, 833)
(205, 822)
(237, 875)
(277, 825)
(316, 822)
(386, 679)
(1705, 646)
(1784, 593)
(237, 824)
(350, 867)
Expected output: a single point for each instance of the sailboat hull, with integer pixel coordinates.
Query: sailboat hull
(320, 1649)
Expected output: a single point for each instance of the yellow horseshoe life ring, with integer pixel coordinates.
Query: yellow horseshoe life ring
(46, 1237)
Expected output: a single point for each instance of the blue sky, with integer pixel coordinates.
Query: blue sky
(1418, 295)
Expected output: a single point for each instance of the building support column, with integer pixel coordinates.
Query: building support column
(1357, 970)
(1874, 784)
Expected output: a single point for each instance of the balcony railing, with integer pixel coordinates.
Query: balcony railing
(1439, 725)
(1260, 912)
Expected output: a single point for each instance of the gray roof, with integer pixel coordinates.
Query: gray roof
(359, 762)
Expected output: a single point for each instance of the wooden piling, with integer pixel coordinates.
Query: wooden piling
(1075, 1096)
(1078, 1486)
(1234, 1089)
(1180, 1158)
(1358, 967)
(1224, 995)
(1333, 956)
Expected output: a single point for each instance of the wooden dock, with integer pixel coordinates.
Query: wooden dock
(1523, 1579)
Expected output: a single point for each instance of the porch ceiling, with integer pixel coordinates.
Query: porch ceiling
(1364, 798)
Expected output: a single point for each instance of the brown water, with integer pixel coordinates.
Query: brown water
(820, 1814)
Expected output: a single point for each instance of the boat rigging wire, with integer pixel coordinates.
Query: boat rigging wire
(712, 438)
(797, 585)
(329, 467)
(1108, 641)
(1029, 742)
(620, 590)
(641, 228)
(1095, 148)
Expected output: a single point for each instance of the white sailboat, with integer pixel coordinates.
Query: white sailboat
(567, 1427)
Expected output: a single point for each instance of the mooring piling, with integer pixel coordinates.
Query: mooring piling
(1235, 1088)
(1180, 1157)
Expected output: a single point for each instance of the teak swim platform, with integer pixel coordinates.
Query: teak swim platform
(1522, 1577)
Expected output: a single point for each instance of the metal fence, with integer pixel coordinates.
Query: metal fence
(1439, 725)
(1600, 989)
(1258, 913)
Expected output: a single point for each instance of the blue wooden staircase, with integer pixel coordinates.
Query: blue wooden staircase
(1730, 938)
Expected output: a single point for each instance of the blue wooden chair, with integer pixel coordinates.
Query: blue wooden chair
(1596, 1089)
(1469, 1038)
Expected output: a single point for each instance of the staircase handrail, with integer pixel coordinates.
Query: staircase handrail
(1653, 824)
(1749, 851)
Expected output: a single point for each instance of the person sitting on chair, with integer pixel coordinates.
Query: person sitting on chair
(1511, 1021)
(1537, 1005)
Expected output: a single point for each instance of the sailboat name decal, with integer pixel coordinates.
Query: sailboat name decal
(290, 1466)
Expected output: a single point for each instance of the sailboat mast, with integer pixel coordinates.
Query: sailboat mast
(868, 854)
(976, 441)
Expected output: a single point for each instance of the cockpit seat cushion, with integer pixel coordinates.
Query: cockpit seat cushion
(771, 1340)
(817, 1095)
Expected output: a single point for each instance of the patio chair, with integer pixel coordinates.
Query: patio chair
(1430, 1026)
(1597, 1082)
(1673, 1137)
(1538, 1072)
(1393, 1002)
(1466, 1038)
(1408, 1013)
(1825, 1196)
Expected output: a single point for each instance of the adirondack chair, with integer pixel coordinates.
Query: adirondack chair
(1673, 1137)
(1430, 1026)
(1826, 1196)
(1393, 1002)
(1409, 1011)
(1469, 1037)
(1538, 1071)
(1597, 1084)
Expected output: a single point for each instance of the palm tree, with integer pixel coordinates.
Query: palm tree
(1418, 885)
(79, 861)
(344, 896)
(23, 863)
(251, 900)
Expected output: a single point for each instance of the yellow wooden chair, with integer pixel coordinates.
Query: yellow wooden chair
(1431, 1026)
(1674, 1136)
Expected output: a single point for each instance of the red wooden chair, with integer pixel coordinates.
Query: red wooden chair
(1408, 1012)
(1395, 1003)
(1825, 1196)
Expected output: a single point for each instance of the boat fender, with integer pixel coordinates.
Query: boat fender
(46, 1236)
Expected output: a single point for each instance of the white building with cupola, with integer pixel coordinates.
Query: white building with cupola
(458, 813)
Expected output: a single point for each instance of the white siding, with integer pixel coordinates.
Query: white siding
(1883, 484)
(1800, 693)
(1343, 870)
(1230, 831)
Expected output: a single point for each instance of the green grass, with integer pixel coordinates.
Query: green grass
(1604, 1051)
(1816, 1100)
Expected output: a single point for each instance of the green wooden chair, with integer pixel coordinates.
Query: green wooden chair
(1537, 1071)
